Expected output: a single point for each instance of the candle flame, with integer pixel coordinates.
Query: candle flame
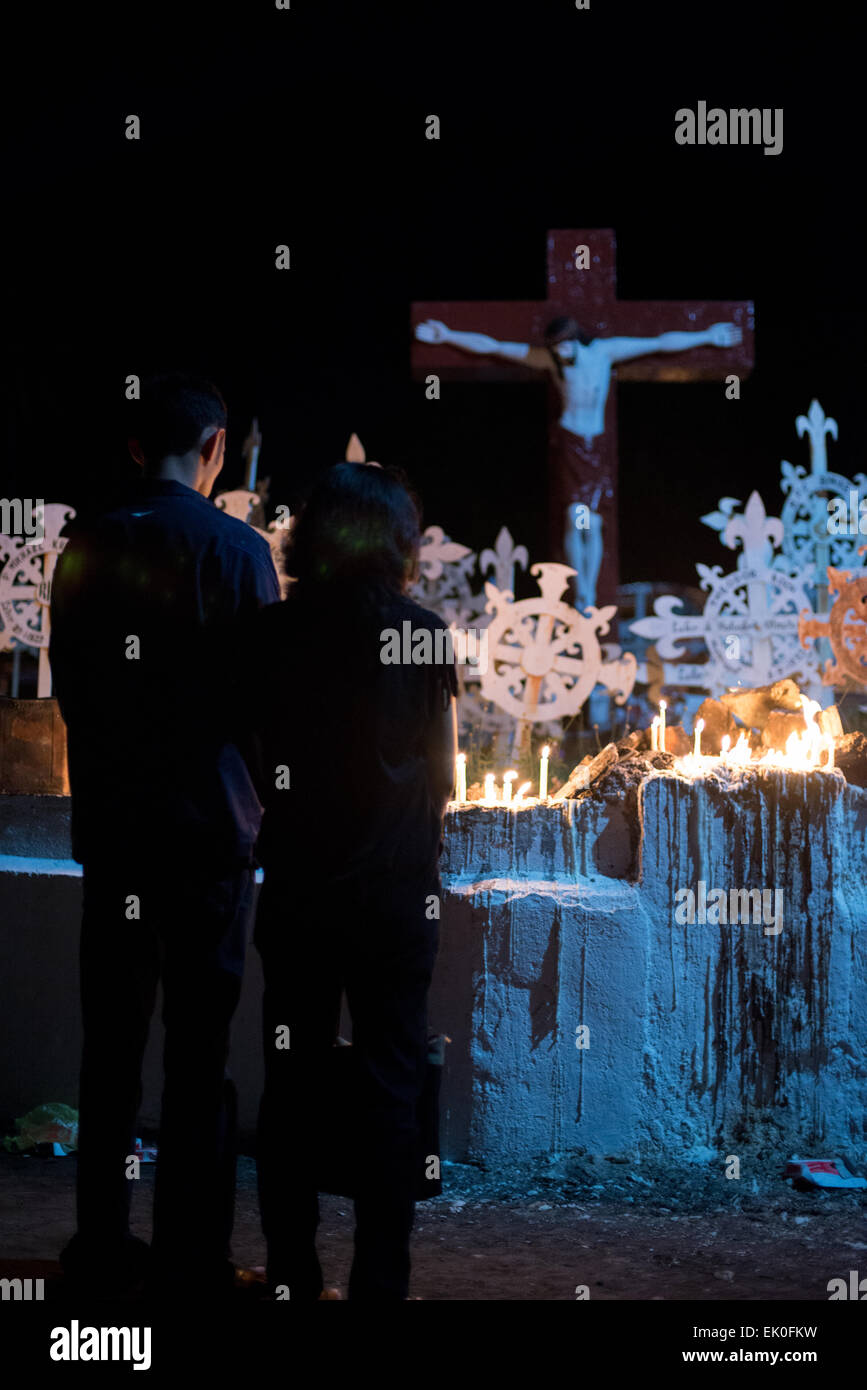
(805, 751)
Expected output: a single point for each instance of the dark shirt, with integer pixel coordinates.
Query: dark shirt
(354, 735)
(151, 762)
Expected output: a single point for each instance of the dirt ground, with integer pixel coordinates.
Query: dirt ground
(622, 1230)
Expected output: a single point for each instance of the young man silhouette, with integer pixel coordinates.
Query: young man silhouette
(165, 819)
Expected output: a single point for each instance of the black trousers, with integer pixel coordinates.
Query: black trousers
(376, 941)
(191, 932)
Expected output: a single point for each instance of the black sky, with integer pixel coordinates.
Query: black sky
(307, 127)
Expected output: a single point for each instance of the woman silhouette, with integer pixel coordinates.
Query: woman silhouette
(358, 762)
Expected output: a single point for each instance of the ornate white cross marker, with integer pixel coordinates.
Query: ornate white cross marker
(845, 627)
(444, 583)
(25, 586)
(544, 657)
(750, 619)
(238, 503)
(809, 540)
(503, 559)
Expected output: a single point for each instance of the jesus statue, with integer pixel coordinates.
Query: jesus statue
(580, 369)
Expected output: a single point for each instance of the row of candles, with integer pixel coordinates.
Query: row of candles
(508, 797)
(657, 732)
(802, 751)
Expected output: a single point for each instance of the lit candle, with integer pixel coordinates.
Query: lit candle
(699, 725)
(654, 734)
(461, 778)
(725, 745)
(508, 779)
(543, 774)
(521, 792)
(490, 790)
(662, 708)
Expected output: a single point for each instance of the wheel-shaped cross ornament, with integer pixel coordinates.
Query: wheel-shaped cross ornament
(25, 586)
(544, 657)
(807, 518)
(25, 579)
(759, 608)
(810, 537)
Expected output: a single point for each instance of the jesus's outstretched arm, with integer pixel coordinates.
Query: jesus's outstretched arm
(432, 331)
(719, 335)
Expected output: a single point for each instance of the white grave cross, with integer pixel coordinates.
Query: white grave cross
(544, 657)
(809, 539)
(25, 586)
(750, 620)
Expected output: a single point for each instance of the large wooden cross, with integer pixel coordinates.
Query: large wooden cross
(585, 470)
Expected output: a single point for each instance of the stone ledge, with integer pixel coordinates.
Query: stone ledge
(36, 827)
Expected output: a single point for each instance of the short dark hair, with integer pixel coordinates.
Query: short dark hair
(174, 409)
(361, 528)
(563, 330)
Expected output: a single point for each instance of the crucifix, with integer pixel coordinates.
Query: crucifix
(578, 339)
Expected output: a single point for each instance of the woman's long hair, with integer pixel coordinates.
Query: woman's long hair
(356, 542)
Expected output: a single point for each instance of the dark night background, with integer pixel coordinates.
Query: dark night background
(306, 127)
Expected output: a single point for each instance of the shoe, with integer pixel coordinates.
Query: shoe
(331, 1295)
(251, 1285)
